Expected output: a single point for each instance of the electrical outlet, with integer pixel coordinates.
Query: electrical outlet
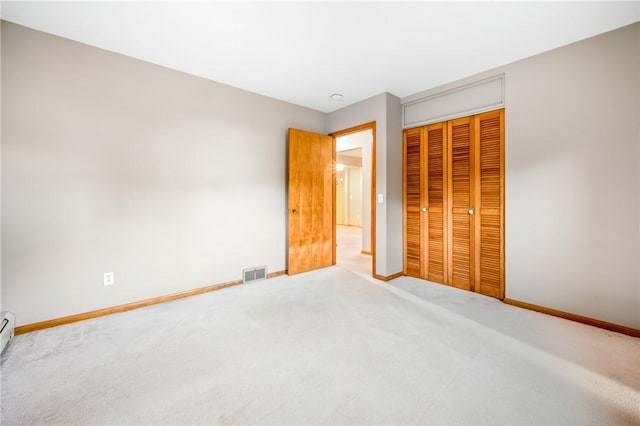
(108, 278)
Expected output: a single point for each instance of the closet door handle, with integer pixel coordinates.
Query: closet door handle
(472, 212)
(425, 209)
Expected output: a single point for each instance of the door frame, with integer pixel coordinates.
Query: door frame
(356, 129)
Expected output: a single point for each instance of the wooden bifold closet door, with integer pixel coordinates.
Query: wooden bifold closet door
(460, 223)
(489, 218)
(454, 203)
(412, 185)
(425, 187)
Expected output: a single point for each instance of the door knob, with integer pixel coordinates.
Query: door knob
(294, 211)
(471, 211)
(425, 209)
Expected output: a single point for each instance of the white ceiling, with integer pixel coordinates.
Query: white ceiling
(302, 52)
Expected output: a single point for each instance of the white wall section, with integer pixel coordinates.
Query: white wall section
(173, 182)
(470, 99)
(385, 110)
(573, 177)
(111, 164)
(302, 51)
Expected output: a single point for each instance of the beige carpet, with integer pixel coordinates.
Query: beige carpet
(325, 347)
(349, 250)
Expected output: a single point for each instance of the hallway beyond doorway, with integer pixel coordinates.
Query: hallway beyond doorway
(349, 250)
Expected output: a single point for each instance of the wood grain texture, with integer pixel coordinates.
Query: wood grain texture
(413, 200)
(574, 317)
(373, 198)
(311, 194)
(461, 200)
(454, 234)
(334, 238)
(489, 219)
(435, 191)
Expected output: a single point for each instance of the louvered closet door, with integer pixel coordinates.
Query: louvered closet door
(413, 236)
(434, 209)
(461, 185)
(489, 220)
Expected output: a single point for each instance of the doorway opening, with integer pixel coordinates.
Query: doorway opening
(354, 214)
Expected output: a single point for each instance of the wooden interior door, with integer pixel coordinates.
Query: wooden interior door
(435, 204)
(413, 200)
(311, 189)
(489, 220)
(461, 201)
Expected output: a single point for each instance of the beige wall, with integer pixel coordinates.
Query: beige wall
(109, 164)
(174, 182)
(349, 197)
(341, 190)
(385, 110)
(354, 198)
(573, 177)
(348, 160)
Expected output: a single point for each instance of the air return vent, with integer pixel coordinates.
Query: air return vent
(252, 274)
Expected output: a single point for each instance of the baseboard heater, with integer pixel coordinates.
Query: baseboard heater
(7, 328)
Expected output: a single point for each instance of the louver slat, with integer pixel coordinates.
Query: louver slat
(461, 200)
(456, 170)
(412, 198)
(490, 259)
(436, 183)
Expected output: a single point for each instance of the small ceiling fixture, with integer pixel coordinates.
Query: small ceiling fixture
(336, 97)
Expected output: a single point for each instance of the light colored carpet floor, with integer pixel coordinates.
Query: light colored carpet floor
(349, 250)
(325, 347)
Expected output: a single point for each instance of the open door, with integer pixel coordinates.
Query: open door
(311, 242)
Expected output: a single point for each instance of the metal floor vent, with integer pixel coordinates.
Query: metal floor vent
(252, 274)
